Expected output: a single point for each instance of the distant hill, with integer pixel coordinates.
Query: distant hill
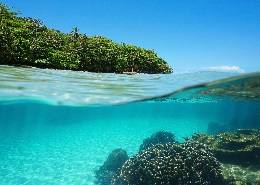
(27, 41)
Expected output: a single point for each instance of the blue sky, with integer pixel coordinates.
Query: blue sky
(188, 34)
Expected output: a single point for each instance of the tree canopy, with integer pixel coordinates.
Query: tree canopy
(27, 41)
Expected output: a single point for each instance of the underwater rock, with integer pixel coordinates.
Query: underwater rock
(114, 162)
(238, 175)
(237, 147)
(173, 164)
(161, 137)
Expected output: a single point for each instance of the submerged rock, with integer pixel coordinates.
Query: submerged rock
(114, 162)
(238, 175)
(171, 164)
(238, 147)
(161, 137)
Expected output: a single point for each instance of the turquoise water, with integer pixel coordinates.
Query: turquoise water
(48, 138)
(82, 88)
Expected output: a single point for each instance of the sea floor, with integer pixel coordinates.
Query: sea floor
(69, 154)
(241, 175)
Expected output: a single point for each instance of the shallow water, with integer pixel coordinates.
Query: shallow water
(43, 142)
(82, 88)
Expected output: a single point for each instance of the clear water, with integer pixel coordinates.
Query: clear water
(50, 132)
(83, 88)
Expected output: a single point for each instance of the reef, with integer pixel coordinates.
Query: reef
(111, 166)
(229, 158)
(161, 137)
(238, 147)
(239, 175)
(175, 164)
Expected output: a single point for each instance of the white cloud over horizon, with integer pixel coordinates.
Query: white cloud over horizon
(226, 68)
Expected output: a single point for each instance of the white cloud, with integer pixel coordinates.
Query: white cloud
(225, 68)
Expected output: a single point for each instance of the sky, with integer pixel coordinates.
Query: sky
(188, 34)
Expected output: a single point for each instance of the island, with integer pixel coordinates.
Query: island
(28, 42)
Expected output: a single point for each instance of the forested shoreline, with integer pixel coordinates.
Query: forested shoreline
(28, 42)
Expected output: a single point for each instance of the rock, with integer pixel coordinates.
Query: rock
(161, 137)
(111, 166)
(238, 175)
(238, 147)
(172, 164)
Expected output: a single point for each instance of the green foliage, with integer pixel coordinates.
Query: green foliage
(26, 41)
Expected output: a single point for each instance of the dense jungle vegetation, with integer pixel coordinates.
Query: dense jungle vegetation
(28, 42)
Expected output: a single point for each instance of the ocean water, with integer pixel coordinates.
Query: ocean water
(58, 127)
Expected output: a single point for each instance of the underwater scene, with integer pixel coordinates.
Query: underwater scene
(75, 128)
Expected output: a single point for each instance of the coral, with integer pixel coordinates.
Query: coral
(238, 175)
(160, 137)
(113, 163)
(238, 147)
(172, 164)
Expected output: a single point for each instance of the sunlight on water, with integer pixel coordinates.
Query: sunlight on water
(82, 88)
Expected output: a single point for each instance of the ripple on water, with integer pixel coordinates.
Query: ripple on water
(82, 88)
